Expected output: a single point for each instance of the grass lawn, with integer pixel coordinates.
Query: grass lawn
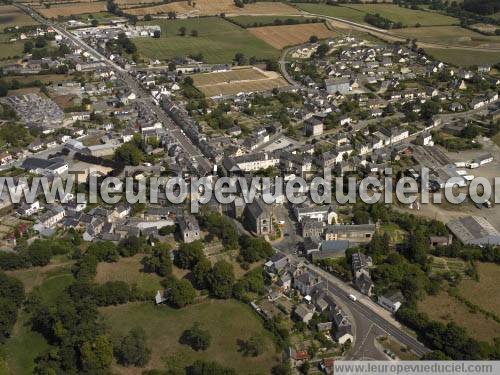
(219, 40)
(484, 293)
(254, 21)
(227, 321)
(128, 270)
(408, 17)
(349, 14)
(462, 57)
(445, 308)
(24, 345)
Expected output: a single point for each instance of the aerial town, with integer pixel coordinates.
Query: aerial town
(139, 91)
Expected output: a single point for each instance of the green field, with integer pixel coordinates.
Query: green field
(11, 49)
(255, 21)
(227, 321)
(12, 16)
(333, 11)
(448, 35)
(219, 40)
(357, 12)
(408, 17)
(24, 345)
(463, 57)
(484, 293)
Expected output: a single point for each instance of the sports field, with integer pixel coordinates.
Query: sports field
(12, 16)
(237, 80)
(218, 40)
(211, 8)
(227, 321)
(408, 17)
(282, 36)
(66, 10)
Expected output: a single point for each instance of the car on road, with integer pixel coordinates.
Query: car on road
(352, 297)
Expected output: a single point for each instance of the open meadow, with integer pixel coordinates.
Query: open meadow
(255, 21)
(211, 8)
(463, 57)
(69, 9)
(227, 321)
(408, 17)
(218, 41)
(349, 14)
(237, 80)
(128, 270)
(12, 16)
(447, 35)
(483, 293)
(288, 35)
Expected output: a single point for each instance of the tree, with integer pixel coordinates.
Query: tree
(159, 262)
(128, 154)
(132, 350)
(221, 279)
(194, 33)
(200, 272)
(94, 22)
(39, 252)
(253, 347)
(313, 39)
(182, 31)
(181, 293)
(97, 355)
(239, 3)
(282, 369)
(40, 42)
(240, 58)
(196, 337)
(28, 46)
(189, 254)
(322, 50)
(209, 368)
(254, 249)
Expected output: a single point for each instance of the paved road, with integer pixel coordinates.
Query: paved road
(132, 83)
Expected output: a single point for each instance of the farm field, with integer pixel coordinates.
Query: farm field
(445, 308)
(12, 16)
(66, 10)
(408, 17)
(447, 35)
(283, 36)
(218, 41)
(211, 8)
(484, 293)
(123, 4)
(463, 57)
(333, 11)
(237, 80)
(255, 21)
(128, 270)
(227, 321)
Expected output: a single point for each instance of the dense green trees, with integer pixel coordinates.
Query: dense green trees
(254, 249)
(11, 298)
(128, 154)
(252, 283)
(159, 262)
(196, 337)
(220, 226)
(221, 279)
(189, 254)
(132, 349)
(181, 293)
(200, 273)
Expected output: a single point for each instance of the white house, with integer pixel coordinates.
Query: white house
(391, 302)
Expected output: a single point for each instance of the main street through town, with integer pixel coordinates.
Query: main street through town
(134, 86)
